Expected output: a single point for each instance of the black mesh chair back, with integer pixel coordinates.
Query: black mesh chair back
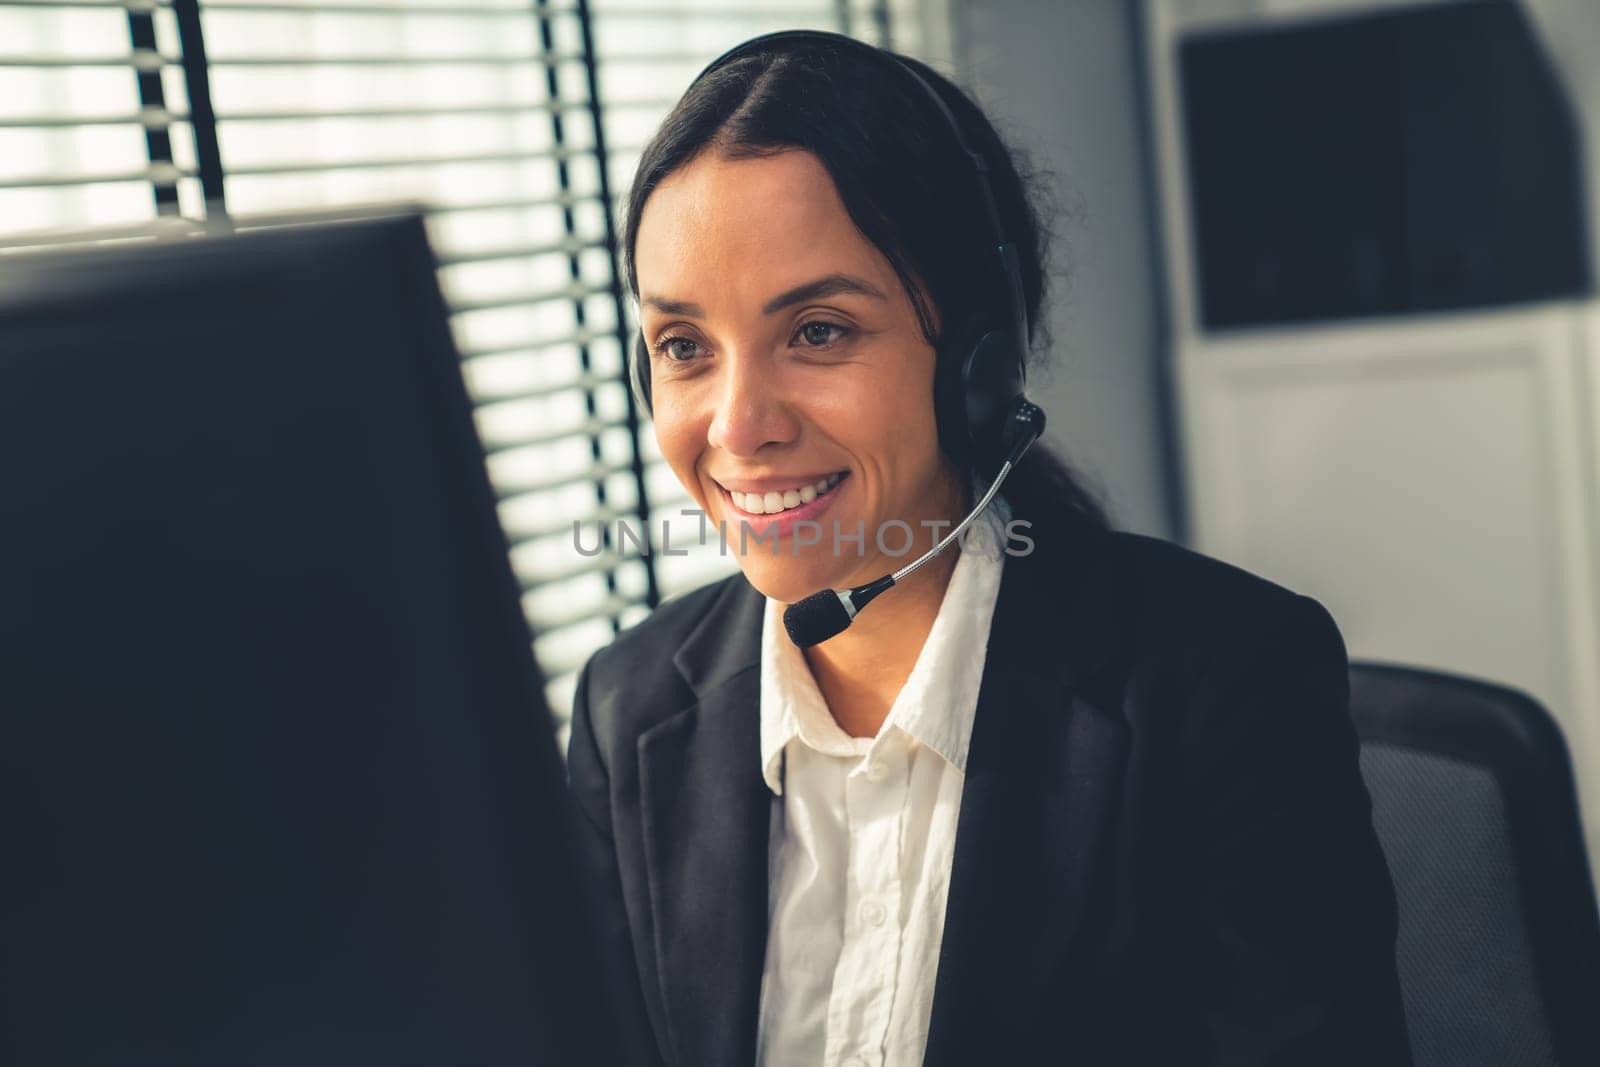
(1473, 799)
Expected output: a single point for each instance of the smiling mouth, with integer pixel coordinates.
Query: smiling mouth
(775, 503)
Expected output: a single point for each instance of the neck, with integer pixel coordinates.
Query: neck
(861, 671)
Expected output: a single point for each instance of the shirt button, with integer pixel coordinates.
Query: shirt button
(877, 770)
(873, 913)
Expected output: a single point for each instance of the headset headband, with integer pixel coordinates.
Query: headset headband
(1004, 250)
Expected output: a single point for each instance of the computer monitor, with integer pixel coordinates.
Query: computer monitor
(278, 784)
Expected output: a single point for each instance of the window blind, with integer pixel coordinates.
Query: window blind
(518, 124)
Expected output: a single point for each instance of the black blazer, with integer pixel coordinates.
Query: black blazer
(1164, 853)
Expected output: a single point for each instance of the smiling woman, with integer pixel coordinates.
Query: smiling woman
(1089, 798)
(801, 364)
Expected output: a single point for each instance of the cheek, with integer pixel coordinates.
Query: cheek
(915, 458)
(889, 400)
(681, 437)
(895, 421)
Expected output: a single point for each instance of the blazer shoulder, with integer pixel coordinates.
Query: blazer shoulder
(1178, 596)
(633, 682)
(1213, 658)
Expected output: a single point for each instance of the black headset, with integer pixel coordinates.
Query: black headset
(980, 372)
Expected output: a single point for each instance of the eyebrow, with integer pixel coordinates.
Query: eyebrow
(831, 285)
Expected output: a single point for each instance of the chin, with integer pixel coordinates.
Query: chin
(788, 578)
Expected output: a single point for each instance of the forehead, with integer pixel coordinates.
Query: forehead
(743, 228)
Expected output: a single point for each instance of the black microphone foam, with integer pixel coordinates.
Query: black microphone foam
(826, 614)
(816, 618)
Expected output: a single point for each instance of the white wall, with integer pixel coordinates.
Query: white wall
(1061, 79)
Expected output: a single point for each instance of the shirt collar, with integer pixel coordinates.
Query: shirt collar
(937, 704)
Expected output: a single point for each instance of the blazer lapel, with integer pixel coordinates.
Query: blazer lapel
(706, 814)
(1041, 781)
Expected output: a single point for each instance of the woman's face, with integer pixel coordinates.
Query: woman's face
(791, 384)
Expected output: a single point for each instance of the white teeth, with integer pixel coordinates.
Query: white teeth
(774, 502)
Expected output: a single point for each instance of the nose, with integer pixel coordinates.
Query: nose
(751, 410)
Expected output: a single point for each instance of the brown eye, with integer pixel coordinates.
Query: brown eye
(678, 349)
(819, 333)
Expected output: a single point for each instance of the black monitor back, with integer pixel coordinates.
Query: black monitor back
(278, 784)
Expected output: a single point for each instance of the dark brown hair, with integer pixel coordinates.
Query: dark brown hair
(905, 182)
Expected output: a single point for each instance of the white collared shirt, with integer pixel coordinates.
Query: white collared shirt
(863, 833)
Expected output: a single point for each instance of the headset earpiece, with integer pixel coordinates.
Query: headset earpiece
(977, 381)
(992, 384)
(950, 389)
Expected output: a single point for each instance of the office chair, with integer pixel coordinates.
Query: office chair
(1473, 800)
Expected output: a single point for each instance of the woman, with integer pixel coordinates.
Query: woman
(1062, 795)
